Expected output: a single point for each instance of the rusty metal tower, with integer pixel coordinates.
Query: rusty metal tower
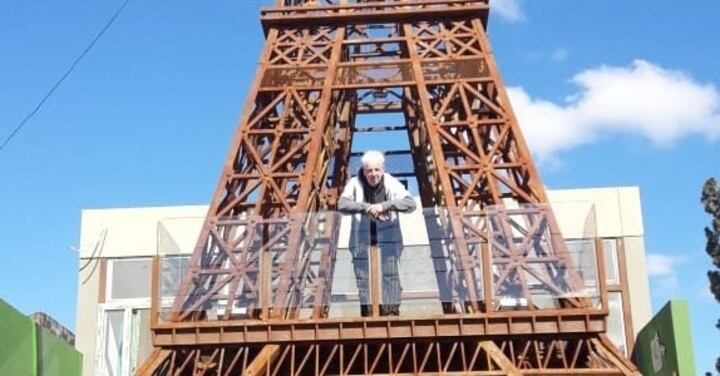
(256, 296)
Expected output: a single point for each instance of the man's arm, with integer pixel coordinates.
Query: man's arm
(348, 206)
(405, 205)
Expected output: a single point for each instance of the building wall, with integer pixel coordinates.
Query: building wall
(618, 215)
(127, 232)
(638, 283)
(665, 343)
(86, 317)
(613, 214)
(116, 234)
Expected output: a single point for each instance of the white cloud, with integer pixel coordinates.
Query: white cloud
(662, 266)
(508, 9)
(659, 104)
(662, 271)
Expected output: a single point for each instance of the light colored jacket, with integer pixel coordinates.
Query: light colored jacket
(352, 201)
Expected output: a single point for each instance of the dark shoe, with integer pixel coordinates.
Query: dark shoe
(390, 310)
(365, 310)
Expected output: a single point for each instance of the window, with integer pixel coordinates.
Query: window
(172, 271)
(126, 340)
(612, 272)
(616, 323)
(582, 252)
(620, 326)
(129, 278)
(140, 338)
(113, 339)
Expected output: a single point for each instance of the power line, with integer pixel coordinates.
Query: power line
(64, 76)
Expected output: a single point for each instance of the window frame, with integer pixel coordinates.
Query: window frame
(127, 307)
(110, 270)
(620, 286)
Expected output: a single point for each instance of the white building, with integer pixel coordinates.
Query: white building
(117, 247)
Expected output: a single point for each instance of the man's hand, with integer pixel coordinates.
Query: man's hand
(376, 211)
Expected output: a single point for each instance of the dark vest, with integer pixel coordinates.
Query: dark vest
(373, 195)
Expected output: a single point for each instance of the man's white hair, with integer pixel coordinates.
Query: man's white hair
(372, 156)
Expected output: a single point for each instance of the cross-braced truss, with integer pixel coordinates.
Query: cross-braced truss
(507, 356)
(255, 297)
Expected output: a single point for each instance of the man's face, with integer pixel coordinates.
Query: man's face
(373, 172)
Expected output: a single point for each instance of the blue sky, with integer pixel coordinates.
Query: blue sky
(608, 93)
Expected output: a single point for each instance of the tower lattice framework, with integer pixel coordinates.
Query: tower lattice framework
(256, 296)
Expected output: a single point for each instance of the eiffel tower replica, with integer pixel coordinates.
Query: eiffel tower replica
(256, 298)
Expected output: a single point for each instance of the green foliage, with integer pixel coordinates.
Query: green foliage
(711, 199)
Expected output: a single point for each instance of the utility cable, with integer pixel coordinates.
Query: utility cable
(44, 99)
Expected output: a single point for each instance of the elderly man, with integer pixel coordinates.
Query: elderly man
(374, 198)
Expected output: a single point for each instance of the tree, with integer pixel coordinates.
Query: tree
(711, 199)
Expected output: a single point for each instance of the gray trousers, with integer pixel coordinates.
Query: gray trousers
(391, 288)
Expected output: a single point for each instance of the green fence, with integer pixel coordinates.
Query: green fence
(26, 349)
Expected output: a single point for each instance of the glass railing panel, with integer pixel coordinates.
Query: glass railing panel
(221, 280)
(176, 240)
(533, 267)
(341, 265)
